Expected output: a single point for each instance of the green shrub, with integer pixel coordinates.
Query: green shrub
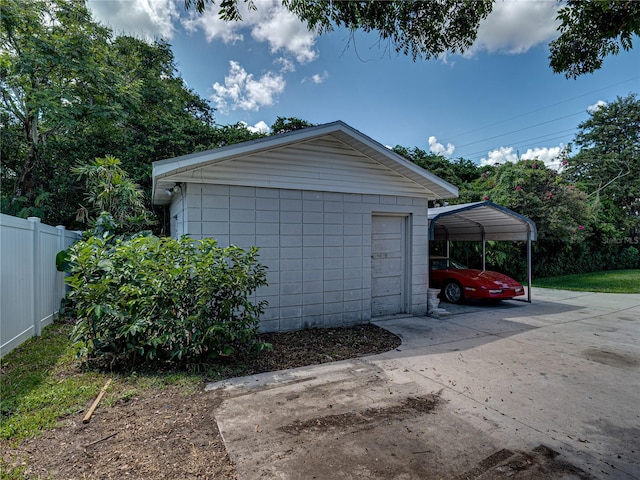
(148, 299)
(629, 258)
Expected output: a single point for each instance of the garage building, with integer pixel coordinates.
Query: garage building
(341, 221)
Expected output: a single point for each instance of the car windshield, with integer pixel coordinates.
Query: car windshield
(445, 263)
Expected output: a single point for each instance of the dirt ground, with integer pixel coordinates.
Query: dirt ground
(167, 434)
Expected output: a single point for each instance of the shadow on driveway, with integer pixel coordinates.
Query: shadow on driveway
(525, 391)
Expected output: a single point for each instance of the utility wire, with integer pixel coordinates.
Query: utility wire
(544, 108)
(522, 144)
(521, 129)
(533, 126)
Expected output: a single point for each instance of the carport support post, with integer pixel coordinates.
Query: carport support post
(484, 252)
(529, 265)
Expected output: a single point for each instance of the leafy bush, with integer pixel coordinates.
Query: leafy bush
(112, 193)
(147, 299)
(629, 258)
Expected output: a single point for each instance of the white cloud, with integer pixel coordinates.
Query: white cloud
(260, 127)
(242, 90)
(284, 31)
(270, 22)
(550, 156)
(516, 26)
(318, 78)
(142, 18)
(213, 26)
(439, 149)
(287, 65)
(499, 156)
(596, 106)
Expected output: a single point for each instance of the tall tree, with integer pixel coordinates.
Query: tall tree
(590, 29)
(54, 70)
(607, 166)
(563, 218)
(163, 119)
(71, 92)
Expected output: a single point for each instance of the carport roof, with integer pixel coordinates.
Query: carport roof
(469, 221)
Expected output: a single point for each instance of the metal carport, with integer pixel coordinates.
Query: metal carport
(479, 222)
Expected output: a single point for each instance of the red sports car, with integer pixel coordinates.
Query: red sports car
(459, 283)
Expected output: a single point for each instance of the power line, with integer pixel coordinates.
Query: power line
(521, 129)
(535, 125)
(544, 108)
(553, 136)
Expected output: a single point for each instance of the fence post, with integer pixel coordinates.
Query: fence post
(35, 281)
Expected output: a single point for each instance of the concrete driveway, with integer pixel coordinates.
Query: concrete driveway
(549, 389)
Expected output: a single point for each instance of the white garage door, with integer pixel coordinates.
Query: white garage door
(388, 265)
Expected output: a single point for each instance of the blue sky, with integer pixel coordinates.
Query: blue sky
(496, 102)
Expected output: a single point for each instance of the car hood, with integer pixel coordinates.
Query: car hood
(487, 277)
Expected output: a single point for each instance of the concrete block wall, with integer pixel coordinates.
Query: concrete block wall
(316, 245)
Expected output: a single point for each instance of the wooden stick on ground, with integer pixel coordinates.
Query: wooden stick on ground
(101, 439)
(94, 405)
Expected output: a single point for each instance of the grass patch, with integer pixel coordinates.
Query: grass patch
(614, 281)
(40, 384)
(42, 381)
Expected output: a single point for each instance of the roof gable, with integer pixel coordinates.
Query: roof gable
(331, 157)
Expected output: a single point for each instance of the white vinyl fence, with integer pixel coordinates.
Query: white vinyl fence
(30, 286)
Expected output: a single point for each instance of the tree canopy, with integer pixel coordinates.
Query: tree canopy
(419, 29)
(288, 124)
(71, 91)
(590, 29)
(607, 166)
(458, 172)
(54, 71)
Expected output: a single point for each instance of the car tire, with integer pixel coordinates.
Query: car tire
(452, 292)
